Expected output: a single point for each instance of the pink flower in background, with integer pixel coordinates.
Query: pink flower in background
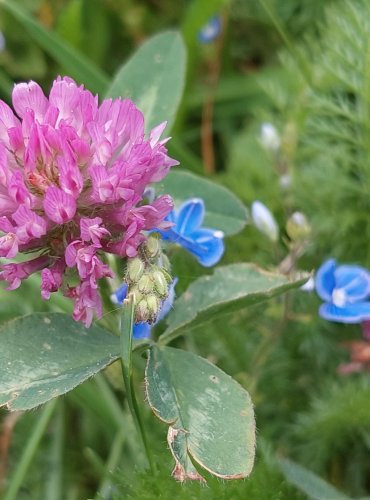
(72, 181)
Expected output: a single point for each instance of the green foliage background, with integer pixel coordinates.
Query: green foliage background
(302, 65)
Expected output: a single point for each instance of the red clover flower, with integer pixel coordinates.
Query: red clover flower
(72, 181)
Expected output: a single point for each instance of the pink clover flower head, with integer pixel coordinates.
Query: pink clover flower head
(73, 175)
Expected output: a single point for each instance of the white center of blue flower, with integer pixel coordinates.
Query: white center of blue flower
(339, 297)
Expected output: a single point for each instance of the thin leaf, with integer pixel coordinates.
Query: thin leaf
(308, 482)
(74, 63)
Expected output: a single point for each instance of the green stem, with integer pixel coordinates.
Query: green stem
(95, 461)
(266, 346)
(126, 365)
(135, 412)
(29, 451)
(54, 485)
(105, 487)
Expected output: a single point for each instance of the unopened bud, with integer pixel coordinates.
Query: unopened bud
(167, 275)
(264, 220)
(165, 263)
(142, 312)
(297, 226)
(160, 283)
(135, 269)
(145, 284)
(137, 294)
(153, 245)
(153, 305)
(269, 137)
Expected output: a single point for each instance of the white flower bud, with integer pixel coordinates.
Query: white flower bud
(264, 220)
(285, 181)
(309, 286)
(269, 137)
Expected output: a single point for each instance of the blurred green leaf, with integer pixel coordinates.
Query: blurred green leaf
(154, 78)
(46, 355)
(228, 289)
(6, 84)
(210, 416)
(74, 63)
(308, 482)
(69, 26)
(224, 211)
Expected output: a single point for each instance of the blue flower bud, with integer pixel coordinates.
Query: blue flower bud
(211, 30)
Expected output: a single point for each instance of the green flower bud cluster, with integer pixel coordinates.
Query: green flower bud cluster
(148, 279)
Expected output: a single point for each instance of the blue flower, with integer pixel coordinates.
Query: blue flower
(211, 30)
(206, 244)
(344, 290)
(143, 330)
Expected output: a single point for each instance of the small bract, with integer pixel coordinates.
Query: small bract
(344, 289)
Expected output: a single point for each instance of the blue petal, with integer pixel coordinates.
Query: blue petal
(169, 235)
(171, 217)
(325, 280)
(190, 216)
(211, 30)
(207, 245)
(351, 313)
(141, 331)
(119, 295)
(354, 280)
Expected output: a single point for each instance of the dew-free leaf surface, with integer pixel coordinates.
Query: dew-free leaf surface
(230, 288)
(224, 211)
(210, 416)
(154, 78)
(45, 355)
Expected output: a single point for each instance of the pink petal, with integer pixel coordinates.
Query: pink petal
(29, 96)
(8, 246)
(70, 178)
(59, 206)
(156, 133)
